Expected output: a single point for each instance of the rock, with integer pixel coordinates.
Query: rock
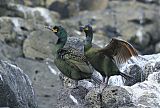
(149, 69)
(15, 88)
(9, 52)
(157, 66)
(79, 94)
(149, 1)
(93, 4)
(93, 98)
(67, 82)
(148, 91)
(66, 100)
(111, 31)
(136, 72)
(157, 47)
(38, 14)
(35, 3)
(148, 100)
(46, 84)
(6, 29)
(10, 10)
(113, 97)
(39, 44)
(66, 9)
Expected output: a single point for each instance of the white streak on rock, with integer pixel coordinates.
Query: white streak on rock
(52, 70)
(1, 78)
(73, 99)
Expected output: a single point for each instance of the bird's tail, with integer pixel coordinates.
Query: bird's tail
(96, 79)
(126, 76)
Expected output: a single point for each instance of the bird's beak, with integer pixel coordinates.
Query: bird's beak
(51, 28)
(81, 29)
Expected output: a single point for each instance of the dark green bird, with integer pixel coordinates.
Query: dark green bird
(105, 60)
(70, 61)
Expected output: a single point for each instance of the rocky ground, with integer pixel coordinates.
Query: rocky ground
(26, 43)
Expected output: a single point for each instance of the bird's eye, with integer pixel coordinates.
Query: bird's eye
(55, 30)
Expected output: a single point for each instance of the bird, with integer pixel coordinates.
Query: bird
(105, 60)
(70, 61)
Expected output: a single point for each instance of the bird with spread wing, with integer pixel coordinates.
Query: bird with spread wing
(105, 60)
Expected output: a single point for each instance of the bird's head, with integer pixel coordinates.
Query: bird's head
(58, 30)
(87, 29)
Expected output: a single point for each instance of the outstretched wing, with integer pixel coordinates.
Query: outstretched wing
(119, 50)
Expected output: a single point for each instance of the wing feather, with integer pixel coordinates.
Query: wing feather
(120, 50)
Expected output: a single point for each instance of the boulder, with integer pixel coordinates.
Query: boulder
(15, 87)
(136, 72)
(146, 94)
(93, 4)
(39, 44)
(8, 52)
(93, 98)
(66, 9)
(113, 97)
(47, 85)
(37, 14)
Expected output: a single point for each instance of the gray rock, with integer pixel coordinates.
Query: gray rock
(148, 100)
(93, 4)
(6, 29)
(7, 10)
(39, 44)
(38, 14)
(113, 97)
(149, 69)
(46, 84)
(157, 66)
(66, 9)
(13, 31)
(79, 93)
(146, 94)
(157, 47)
(93, 98)
(15, 88)
(8, 52)
(136, 72)
(72, 98)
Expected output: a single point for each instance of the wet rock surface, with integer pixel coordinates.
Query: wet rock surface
(25, 42)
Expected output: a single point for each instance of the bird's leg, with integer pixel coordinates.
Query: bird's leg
(104, 78)
(105, 83)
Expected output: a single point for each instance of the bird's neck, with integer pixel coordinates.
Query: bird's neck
(88, 41)
(60, 43)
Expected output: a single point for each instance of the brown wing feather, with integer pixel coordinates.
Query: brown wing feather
(120, 50)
